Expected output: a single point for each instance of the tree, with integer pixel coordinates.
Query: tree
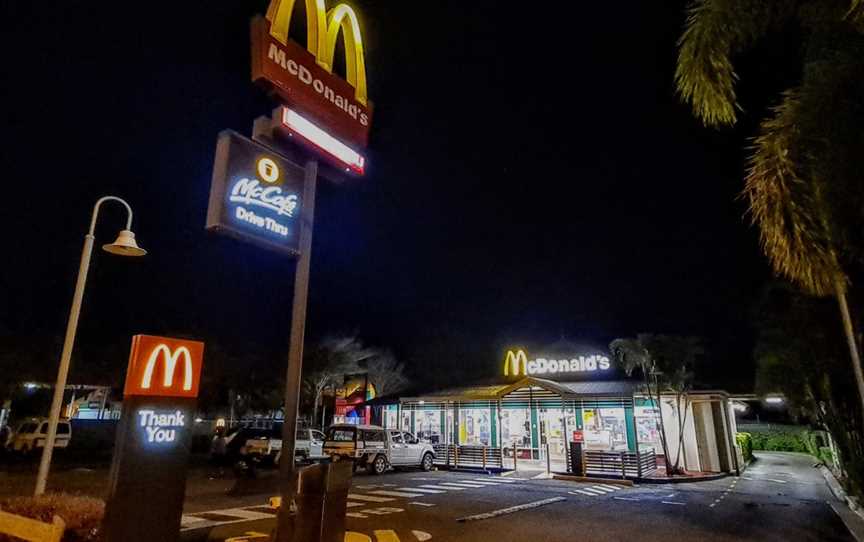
(386, 372)
(670, 360)
(803, 184)
(329, 360)
(799, 353)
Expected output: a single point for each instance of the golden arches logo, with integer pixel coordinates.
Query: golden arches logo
(170, 358)
(515, 363)
(322, 30)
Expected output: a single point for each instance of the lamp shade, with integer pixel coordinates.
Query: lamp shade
(125, 245)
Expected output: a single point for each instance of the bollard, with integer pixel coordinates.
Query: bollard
(455, 455)
(484, 457)
(548, 460)
(514, 458)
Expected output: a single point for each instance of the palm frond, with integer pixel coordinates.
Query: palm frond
(789, 210)
(714, 31)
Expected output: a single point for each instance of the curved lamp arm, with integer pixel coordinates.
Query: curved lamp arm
(99, 203)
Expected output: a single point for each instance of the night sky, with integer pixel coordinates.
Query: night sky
(531, 176)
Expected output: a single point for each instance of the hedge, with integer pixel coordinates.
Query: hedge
(791, 439)
(745, 442)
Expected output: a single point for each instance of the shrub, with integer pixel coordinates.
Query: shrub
(826, 456)
(779, 440)
(745, 442)
(82, 515)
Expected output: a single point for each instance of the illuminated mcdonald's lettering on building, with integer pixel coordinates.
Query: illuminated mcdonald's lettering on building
(170, 366)
(516, 363)
(322, 30)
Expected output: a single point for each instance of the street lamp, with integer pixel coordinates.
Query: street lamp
(124, 245)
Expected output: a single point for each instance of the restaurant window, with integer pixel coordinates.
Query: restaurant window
(391, 416)
(474, 427)
(427, 425)
(515, 428)
(604, 429)
(648, 428)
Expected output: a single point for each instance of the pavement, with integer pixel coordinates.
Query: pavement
(780, 497)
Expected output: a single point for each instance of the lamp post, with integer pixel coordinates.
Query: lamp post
(124, 245)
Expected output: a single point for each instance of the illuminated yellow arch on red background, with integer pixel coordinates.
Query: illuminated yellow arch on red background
(322, 33)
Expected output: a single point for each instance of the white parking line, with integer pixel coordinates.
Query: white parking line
(586, 492)
(512, 509)
(603, 488)
(369, 498)
(420, 490)
(396, 493)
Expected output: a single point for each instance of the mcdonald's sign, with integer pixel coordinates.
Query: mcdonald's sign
(516, 363)
(304, 78)
(164, 367)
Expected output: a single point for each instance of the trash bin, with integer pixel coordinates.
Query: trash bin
(576, 465)
(322, 498)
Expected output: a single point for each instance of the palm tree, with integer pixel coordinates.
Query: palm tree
(803, 181)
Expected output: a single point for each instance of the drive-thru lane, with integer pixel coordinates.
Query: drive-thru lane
(781, 497)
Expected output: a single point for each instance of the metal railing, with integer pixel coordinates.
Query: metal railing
(622, 464)
(468, 456)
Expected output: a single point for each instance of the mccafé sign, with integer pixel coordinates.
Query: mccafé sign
(516, 363)
(304, 78)
(163, 367)
(256, 194)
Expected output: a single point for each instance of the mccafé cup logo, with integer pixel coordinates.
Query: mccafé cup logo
(164, 367)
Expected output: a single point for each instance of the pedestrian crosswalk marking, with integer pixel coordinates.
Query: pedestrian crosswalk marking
(501, 480)
(582, 492)
(461, 484)
(614, 488)
(417, 503)
(484, 482)
(369, 498)
(603, 489)
(396, 493)
(449, 488)
(354, 504)
(419, 489)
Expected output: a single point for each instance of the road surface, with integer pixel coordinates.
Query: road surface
(780, 497)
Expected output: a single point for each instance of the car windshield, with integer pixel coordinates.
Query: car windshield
(29, 427)
(341, 434)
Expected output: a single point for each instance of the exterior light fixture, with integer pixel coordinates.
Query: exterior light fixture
(298, 125)
(124, 245)
(774, 400)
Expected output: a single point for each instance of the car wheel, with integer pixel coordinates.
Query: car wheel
(378, 465)
(428, 462)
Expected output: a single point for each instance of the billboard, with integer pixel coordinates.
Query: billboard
(304, 78)
(256, 194)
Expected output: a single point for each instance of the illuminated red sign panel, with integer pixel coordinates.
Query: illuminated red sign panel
(164, 367)
(322, 97)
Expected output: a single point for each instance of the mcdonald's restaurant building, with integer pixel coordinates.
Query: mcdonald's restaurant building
(541, 407)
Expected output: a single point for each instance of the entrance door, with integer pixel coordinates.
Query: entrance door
(552, 433)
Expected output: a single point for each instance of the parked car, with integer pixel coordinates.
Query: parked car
(32, 433)
(376, 449)
(309, 446)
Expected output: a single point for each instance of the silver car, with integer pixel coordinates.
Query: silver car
(376, 449)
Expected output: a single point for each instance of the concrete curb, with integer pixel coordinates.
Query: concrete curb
(592, 480)
(687, 480)
(848, 508)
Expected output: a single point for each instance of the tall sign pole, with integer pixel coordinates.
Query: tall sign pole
(287, 472)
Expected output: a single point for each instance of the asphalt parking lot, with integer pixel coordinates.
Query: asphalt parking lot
(780, 498)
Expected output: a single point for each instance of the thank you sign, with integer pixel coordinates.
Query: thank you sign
(148, 473)
(256, 194)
